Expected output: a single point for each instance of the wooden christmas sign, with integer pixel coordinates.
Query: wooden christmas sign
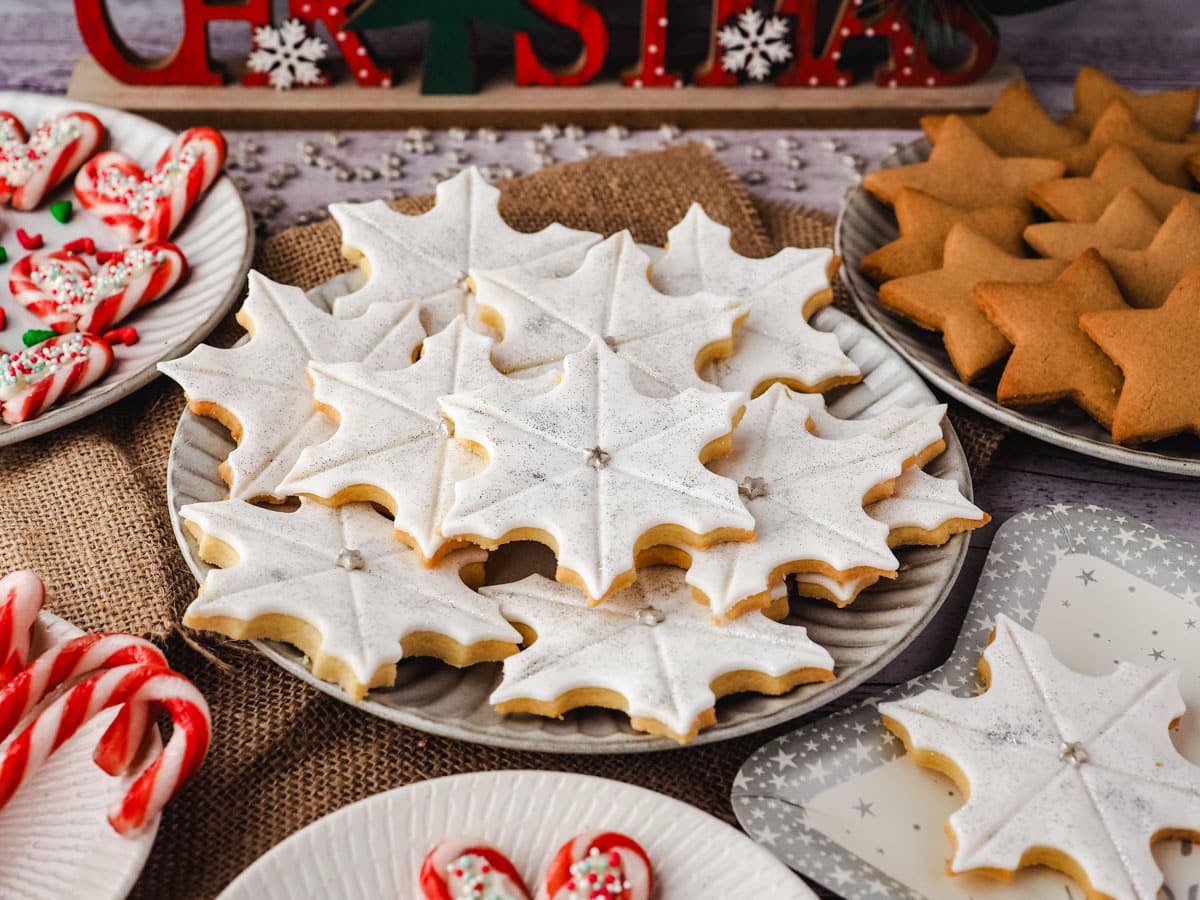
(793, 62)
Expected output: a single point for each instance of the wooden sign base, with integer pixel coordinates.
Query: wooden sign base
(347, 106)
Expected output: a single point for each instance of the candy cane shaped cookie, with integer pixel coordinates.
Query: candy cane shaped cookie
(599, 866)
(149, 207)
(21, 598)
(37, 377)
(60, 287)
(150, 686)
(30, 169)
(469, 869)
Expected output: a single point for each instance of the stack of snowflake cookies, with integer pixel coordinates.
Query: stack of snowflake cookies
(650, 415)
(1109, 315)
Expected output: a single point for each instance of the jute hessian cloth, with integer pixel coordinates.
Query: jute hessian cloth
(86, 507)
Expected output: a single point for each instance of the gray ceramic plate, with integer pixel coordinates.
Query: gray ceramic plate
(217, 238)
(435, 697)
(864, 225)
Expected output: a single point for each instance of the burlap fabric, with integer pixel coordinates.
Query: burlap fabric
(86, 507)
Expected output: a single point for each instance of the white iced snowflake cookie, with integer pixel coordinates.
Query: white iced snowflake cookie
(259, 391)
(807, 495)
(1072, 771)
(596, 470)
(666, 339)
(426, 258)
(337, 584)
(775, 343)
(393, 446)
(650, 650)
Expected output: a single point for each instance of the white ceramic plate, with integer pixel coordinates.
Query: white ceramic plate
(374, 848)
(55, 840)
(864, 225)
(438, 698)
(217, 238)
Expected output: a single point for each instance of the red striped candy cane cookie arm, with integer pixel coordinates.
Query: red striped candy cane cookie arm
(461, 868)
(602, 865)
(35, 378)
(21, 597)
(105, 186)
(184, 172)
(57, 148)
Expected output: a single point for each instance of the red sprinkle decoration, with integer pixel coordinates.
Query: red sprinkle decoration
(107, 256)
(29, 241)
(127, 336)
(3, 321)
(81, 245)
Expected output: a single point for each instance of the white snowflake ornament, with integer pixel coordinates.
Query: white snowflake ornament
(1073, 771)
(288, 55)
(755, 44)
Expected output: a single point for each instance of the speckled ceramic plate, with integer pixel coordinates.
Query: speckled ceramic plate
(438, 698)
(217, 238)
(374, 848)
(55, 839)
(864, 225)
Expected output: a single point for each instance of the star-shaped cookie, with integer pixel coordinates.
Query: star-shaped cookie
(941, 300)
(964, 171)
(596, 470)
(337, 584)
(1016, 125)
(258, 389)
(1127, 223)
(665, 339)
(1167, 114)
(1073, 771)
(1085, 199)
(775, 342)
(924, 223)
(425, 259)
(1146, 276)
(1156, 351)
(651, 651)
(1166, 160)
(1052, 358)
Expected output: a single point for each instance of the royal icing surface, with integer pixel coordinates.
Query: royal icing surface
(60, 287)
(598, 866)
(343, 572)
(609, 297)
(41, 375)
(924, 502)
(29, 169)
(593, 464)
(1078, 764)
(262, 382)
(392, 436)
(426, 258)
(806, 493)
(652, 643)
(775, 343)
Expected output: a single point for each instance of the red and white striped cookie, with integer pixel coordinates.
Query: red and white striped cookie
(41, 375)
(21, 597)
(469, 869)
(60, 287)
(32, 166)
(599, 866)
(150, 207)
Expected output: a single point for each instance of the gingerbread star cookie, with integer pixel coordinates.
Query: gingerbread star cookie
(1166, 160)
(1167, 114)
(425, 259)
(596, 470)
(337, 584)
(924, 223)
(1016, 125)
(941, 300)
(1127, 223)
(650, 651)
(259, 391)
(1155, 349)
(1146, 276)
(1072, 771)
(964, 171)
(1085, 199)
(775, 342)
(1052, 358)
(665, 339)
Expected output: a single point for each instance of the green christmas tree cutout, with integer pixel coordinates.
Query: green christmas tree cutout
(450, 41)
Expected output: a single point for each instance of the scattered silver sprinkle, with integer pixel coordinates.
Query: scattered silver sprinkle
(290, 170)
(833, 145)
(752, 487)
(248, 148)
(895, 147)
(394, 194)
(649, 616)
(598, 458)
(1072, 753)
(787, 142)
(754, 176)
(341, 173)
(393, 160)
(457, 155)
(670, 131)
(304, 218)
(574, 132)
(325, 162)
(249, 164)
(796, 184)
(336, 139)
(715, 143)
(550, 131)
(458, 134)
(242, 184)
(617, 132)
(231, 163)
(587, 151)
(755, 152)
(795, 163)
(417, 134)
(393, 173)
(854, 161)
(306, 148)
(545, 159)
(489, 135)
(274, 182)
(498, 172)
(351, 559)
(536, 145)
(366, 173)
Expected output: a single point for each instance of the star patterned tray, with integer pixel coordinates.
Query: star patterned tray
(837, 800)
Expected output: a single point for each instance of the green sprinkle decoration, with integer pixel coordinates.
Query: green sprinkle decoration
(36, 336)
(3, 256)
(62, 211)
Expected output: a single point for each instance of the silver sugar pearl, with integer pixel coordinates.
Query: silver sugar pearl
(335, 139)
(795, 162)
(574, 132)
(550, 131)
(457, 155)
(350, 560)
(366, 173)
(752, 487)
(669, 131)
(833, 145)
(755, 152)
(715, 143)
(587, 151)
(458, 134)
(489, 135)
(795, 184)
(754, 176)
(341, 173)
(649, 616)
(249, 164)
(290, 170)
(417, 134)
(854, 161)
(787, 142)
(1072, 753)
(617, 132)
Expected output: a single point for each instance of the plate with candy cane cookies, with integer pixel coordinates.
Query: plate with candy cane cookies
(121, 245)
(83, 771)
(561, 492)
(517, 836)
(1046, 273)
